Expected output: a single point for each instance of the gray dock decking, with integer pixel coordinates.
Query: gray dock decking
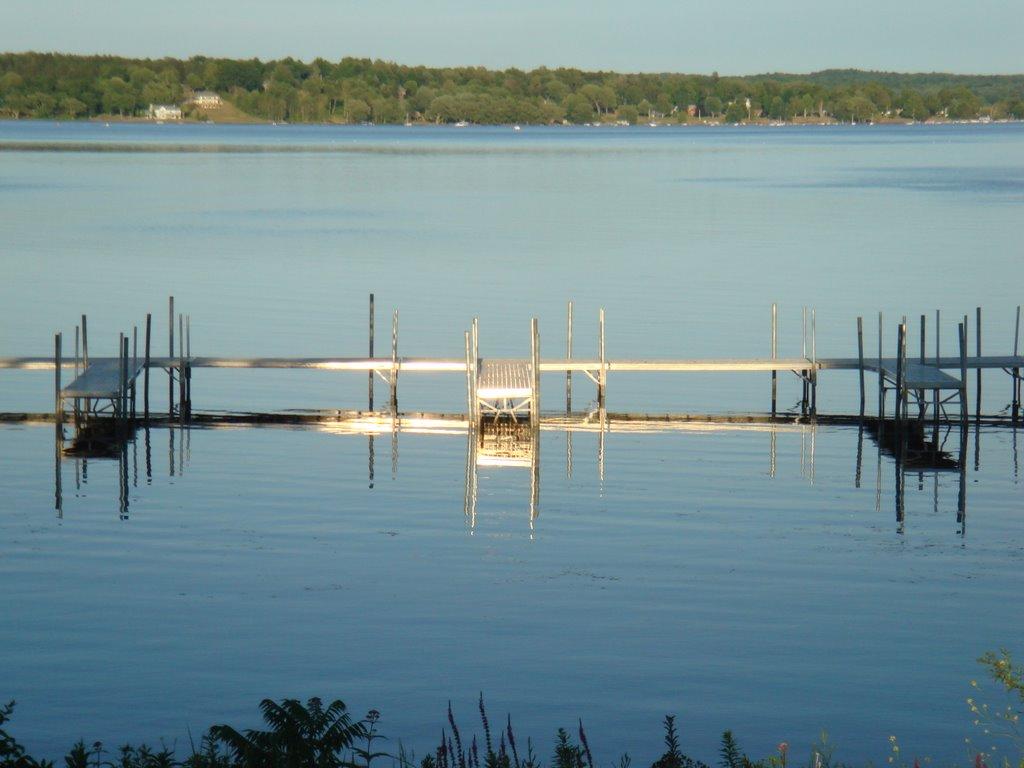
(498, 379)
(102, 379)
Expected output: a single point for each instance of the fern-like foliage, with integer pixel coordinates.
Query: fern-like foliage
(298, 736)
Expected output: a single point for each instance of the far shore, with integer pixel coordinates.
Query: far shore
(654, 123)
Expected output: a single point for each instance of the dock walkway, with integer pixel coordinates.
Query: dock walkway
(550, 365)
(511, 387)
(101, 380)
(497, 379)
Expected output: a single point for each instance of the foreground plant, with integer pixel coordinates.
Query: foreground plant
(1001, 723)
(314, 736)
(12, 754)
(298, 737)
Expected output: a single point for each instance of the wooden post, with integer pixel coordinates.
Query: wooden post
(881, 374)
(535, 374)
(85, 342)
(369, 376)
(182, 400)
(967, 337)
(124, 376)
(119, 403)
(135, 364)
(394, 361)
(814, 363)
(145, 372)
(903, 354)
(920, 392)
(469, 384)
(1016, 333)
(977, 337)
(775, 354)
(603, 374)
(77, 414)
(474, 340)
(936, 404)
(568, 357)
(188, 363)
(58, 402)
(1016, 399)
(860, 360)
(803, 353)
(923, 358)
(899, 374)
(903, 358)
(85, 357)
(963, 377)
(170, 356)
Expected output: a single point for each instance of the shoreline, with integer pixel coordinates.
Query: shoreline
(709, 123)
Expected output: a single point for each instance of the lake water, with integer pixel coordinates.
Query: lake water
(685, 571)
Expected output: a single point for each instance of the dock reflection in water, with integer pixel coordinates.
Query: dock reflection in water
(515, 446)
(123, 448)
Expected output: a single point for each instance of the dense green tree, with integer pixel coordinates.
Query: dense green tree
(629, 113)
(735, 112)
(44, 84)
(356, 110)
(912, 105)
(856, 109)
(601, 97)
(72, 107)
(578, 108)
(117, 96)
(779, 108)
(960, 103)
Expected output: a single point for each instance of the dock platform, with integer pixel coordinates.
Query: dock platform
(500, 388)
(504, 388)
(101, 380)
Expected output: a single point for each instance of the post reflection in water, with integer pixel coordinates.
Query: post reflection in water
(125, 450)
(911, 453)
(1015, 465)
(369, 452)
(512, 445)
(503, 445)
(58, 490)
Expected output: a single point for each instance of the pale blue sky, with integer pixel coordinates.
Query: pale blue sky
(729, 36)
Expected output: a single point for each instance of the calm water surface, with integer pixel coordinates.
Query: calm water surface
(686, 577)
(685, 235)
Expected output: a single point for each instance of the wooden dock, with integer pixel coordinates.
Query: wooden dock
(503, 419)
(103, 379)
(510, 388)
(504, 388)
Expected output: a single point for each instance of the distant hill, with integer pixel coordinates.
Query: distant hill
(56, 85)
(990, 88)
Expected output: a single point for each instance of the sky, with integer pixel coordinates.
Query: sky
(728, 36)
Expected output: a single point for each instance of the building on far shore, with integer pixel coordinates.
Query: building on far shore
(164, 112)
(206, 99)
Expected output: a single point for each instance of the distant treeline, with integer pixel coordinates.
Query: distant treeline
(51, 85)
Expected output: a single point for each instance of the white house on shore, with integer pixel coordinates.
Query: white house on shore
(206, 99)
(164, 112)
